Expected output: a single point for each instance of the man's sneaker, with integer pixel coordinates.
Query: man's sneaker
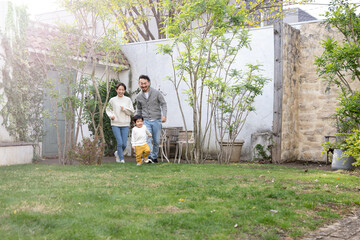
(155, 160)
(149, 160)
(138, 164)
(117, 157)
(122, 161)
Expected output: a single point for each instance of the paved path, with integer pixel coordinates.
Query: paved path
(347, 228)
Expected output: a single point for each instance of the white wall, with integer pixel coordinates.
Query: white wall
(144, 60)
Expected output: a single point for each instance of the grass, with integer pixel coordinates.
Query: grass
(169, 201)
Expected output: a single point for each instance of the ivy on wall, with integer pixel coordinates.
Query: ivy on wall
(22, 81)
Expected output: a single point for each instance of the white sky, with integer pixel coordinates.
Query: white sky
(315, 8)
(318, 7)
(38, 6)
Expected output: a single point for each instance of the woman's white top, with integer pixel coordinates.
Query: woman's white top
(122, 117)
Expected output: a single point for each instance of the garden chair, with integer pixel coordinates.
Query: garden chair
(189, 144)
(169, 137)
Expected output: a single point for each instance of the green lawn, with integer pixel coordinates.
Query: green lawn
(169, 201)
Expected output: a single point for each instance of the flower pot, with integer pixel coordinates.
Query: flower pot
(236, 151)
(341, 162)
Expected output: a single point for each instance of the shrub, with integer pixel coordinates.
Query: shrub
(353, 146)
(85, 152)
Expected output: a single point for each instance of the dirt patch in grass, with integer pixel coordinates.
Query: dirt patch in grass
(155, 185)
(168, 209)
(40, 208)
(174, 209)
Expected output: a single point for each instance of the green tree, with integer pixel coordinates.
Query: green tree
(102, 45)
(231, 98)
(142, 18)
(207, 37)
(146, 19)
(67, 92)
(339, 64)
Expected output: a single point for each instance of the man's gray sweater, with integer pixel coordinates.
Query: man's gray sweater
(152, 107)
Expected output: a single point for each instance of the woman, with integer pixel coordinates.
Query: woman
(119, 110)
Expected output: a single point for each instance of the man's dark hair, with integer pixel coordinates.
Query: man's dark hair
(120, 84)
(144, 77)
(136, 117)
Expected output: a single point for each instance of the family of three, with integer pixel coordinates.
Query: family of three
(151, 112)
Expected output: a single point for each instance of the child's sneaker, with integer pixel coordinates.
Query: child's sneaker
(122, 161)
(138, 164)
(149, 160)
(117, 157)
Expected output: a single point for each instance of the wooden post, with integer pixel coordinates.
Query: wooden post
(278, 92)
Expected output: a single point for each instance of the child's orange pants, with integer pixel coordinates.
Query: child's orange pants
(142, 151)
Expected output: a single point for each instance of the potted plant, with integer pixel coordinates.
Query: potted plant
(348, 125)
(339, 66)
(231, 101)
(345, 147)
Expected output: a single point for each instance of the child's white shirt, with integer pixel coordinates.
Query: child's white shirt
(138, 136)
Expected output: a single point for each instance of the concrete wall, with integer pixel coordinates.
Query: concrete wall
(15, 153)
(144, 60)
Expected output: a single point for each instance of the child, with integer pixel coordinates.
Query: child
(138, 140)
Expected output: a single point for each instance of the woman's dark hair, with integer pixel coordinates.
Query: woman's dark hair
(144, 77)
(136, 117)
(120, 84)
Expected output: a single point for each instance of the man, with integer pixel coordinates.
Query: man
(152, 106)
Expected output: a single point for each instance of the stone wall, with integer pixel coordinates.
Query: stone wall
(307, 107)
(290, 146)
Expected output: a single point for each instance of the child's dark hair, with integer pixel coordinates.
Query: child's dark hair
(136, 117)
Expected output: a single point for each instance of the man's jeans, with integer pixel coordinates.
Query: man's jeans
(154, 128)
(121, 135)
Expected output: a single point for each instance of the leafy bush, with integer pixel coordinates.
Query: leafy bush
(353, 146)
(110, 140)
(348, 113)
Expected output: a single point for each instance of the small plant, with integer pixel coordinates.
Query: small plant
(85, 152)
(261, 153)
(330, 146)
